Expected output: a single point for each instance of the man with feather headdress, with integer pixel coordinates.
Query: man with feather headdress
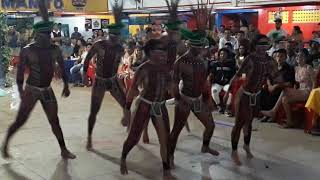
(193, 96)
(40, 57)
(109, 53)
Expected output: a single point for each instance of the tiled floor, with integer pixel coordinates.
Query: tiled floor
(279, 154)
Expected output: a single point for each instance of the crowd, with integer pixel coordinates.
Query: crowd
(296, 60)
(296, 63)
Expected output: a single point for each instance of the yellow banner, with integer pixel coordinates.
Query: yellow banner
(29, 5)
(56, 5)
(86, 5)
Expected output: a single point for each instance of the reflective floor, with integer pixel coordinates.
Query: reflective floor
(279, 154)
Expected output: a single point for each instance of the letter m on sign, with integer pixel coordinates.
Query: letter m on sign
(8, 4)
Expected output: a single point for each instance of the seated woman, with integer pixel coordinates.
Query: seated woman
(76, 70)
(125, 71)
(221, 72)
(304, 80)
(243, 52)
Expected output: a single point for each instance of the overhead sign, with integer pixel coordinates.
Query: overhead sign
(29, 5)
(86, 5)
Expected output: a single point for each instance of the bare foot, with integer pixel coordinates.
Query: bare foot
(210, 151)
(171, 161)
(248, 151)
(89, 143)
(66, 154)
(168, 176)
(123, 167)
(235, 158)
(146, 138)
(4, 152)
(268, 113)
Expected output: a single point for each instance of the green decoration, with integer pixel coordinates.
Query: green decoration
(4, 49)
(197, 38)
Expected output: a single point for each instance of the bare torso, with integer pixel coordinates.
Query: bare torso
(108, 58)
(193, 73)
(41, 62)
(155, 81)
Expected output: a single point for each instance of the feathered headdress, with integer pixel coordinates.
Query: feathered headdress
(45, 25)
(202, 14)
(117, 10)
(173, 22)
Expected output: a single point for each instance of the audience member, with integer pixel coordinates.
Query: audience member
(304, 77)
(227, 38)
(221, 72)
(297, 35)
(314, 52)
(66, 48)
(292, 48)
(87, 33)
(100, 35)
(278, 33)
(77, 70)
(244, 50)
(76, 34)
(56, 34)
(253, 32)
(282, 78)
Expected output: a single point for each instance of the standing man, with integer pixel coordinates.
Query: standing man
(256, 67)
(278, 33)
(40, 57)
(76, 34)
(191, 68)
(109, 53)
(227, 38)
(56, 35)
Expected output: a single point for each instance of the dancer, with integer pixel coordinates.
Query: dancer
(191, 69)
(256, 68)
(154, 78)
(109, 53)
(40, 57)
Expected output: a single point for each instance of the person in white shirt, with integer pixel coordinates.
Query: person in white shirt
(228, 39)
(87, 34)
(56, 35)
(278, 33)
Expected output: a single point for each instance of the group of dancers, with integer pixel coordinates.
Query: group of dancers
(175, 67)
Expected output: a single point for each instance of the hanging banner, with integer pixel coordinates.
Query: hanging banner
(29, 5)
(56, 5)
(86, 5)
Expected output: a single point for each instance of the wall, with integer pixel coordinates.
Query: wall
(76, 21)
(306, 28)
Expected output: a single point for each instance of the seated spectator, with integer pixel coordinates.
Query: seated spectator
(315, 35)
(100, 35)
(87, 33)
(253, 32)
(277, 33)
(76, 34)
(138, 57)
(292, 47)
(66, 49)
(79, 48)
(244, 48)
(297, 35)
(221, 72)
(304, 77)
(89, 41)
(227, 38)
(240, 35)
(77, 70)
(56, 35)
(314, 52)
